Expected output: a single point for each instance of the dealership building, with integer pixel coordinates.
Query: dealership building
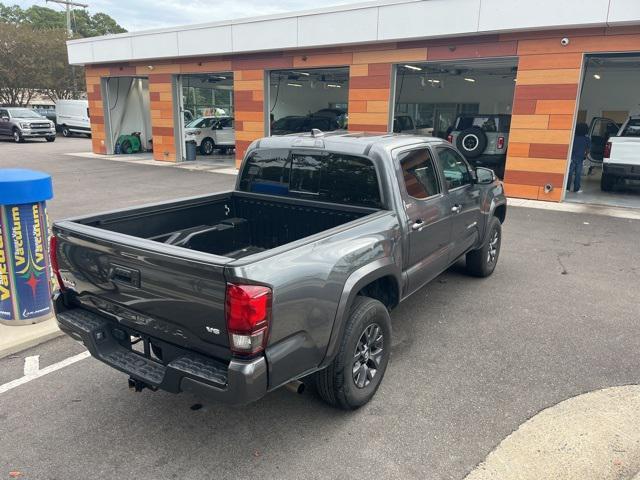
(540, 66)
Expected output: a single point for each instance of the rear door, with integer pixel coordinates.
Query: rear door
(600, 130)
(5, 124)
(428, 216)
(225, 133)
(464, 200)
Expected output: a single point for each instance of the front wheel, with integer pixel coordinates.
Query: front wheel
(51, 139)
(207, 146)
(17, 137)
(65, 131)
(482, 262)
(354, 376)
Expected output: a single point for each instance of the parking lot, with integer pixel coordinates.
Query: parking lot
(471, 360)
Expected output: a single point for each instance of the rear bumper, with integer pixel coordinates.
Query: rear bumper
(238, 382)
(621, 170)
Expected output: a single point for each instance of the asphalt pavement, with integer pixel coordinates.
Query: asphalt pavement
(471, 360)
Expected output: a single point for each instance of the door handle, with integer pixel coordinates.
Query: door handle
(418, 225)
(456, 208)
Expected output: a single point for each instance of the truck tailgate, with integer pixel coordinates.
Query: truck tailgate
(163, 291)
(625, 150)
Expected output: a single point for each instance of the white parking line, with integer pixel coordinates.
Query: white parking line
(32, 374)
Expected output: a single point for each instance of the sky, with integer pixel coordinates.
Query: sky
(137, 15)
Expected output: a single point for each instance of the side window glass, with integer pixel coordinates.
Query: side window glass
(456, 172)
(418, 170)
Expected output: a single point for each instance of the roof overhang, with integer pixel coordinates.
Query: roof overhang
(362, 23)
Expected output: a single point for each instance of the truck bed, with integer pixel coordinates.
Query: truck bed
(232, 225)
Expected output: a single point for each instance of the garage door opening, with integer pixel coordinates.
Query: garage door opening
(610, 173)
(206, 114)
(127, 115)
(300, 100)
(467, 102)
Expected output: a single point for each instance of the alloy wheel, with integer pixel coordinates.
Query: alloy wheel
(493, 247)
(368, 355)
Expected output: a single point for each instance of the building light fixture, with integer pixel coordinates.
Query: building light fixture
(469, 79)
(294, 84)
(433, 80)
(413, 67)
(306, 74)
(333, 85)
(597, 76)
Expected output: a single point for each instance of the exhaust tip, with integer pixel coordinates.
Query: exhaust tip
(295, 386)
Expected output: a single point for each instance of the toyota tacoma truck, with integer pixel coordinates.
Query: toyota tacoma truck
(291, 276)
(621, 156)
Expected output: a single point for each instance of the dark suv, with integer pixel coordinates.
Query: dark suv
(482, 139)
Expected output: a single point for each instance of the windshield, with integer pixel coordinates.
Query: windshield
(632, 129)
(200, 123)
(22, 113)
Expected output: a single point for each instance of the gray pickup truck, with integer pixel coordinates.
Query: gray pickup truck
(289, 277)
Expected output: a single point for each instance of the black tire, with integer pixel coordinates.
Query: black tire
(471, 142)
(207, 146)
(51, 139)
(607, 182)
(17, 136)
(482, 262)
(65, 131)
(337, 383)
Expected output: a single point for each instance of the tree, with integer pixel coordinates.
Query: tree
(19, 69)
(82, 23)
(33, 52)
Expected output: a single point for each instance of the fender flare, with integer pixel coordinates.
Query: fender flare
(357, 280)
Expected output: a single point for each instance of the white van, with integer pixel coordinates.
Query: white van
(72, 116)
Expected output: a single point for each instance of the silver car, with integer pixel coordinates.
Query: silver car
(21, 123)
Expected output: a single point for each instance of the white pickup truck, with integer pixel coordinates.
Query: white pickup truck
(621, 155)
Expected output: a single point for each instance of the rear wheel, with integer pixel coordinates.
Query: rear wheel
(207, 146)
(354, 376)
(607, 182)
(482, 262)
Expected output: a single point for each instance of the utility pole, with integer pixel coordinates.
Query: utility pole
(68, 4)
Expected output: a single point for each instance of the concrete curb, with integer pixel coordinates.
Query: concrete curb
(590, 436)
(19, 338)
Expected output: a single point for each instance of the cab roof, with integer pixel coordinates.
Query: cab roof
(354, 143)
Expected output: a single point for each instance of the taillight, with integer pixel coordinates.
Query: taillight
(248, 311)
(500, 143)
(607, 150)
(450, 138)
(53, 256)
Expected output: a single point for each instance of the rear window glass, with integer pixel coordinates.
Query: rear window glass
(487, 124)
(632, 129)
(329, 177)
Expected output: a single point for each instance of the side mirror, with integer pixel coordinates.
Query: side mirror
(5, 119)
(485, 176)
